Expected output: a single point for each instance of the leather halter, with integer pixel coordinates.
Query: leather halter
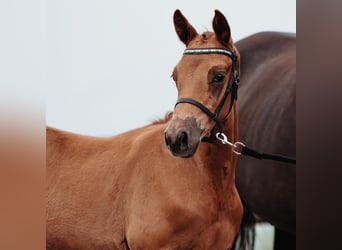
(231, 88)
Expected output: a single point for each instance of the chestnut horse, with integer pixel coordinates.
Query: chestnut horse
(267, 122)
(133, 191)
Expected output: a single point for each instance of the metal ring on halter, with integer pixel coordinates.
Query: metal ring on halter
(236, 77)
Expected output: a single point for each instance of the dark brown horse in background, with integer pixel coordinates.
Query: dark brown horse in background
(267, 122)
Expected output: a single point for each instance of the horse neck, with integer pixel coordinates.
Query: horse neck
(220, 159)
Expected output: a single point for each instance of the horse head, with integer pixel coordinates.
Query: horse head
(203, 78)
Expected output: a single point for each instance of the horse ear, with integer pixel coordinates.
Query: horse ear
(183, 28)
(221, 28)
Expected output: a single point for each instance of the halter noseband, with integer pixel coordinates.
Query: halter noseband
(231, 88)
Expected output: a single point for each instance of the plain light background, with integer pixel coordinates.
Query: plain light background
(106, 65)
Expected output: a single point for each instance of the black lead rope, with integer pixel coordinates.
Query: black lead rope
(241, 149)
(253, 153)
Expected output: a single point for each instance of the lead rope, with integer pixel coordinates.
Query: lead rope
(241, 149)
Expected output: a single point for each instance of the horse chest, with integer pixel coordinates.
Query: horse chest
(181, 231)
(198, 221)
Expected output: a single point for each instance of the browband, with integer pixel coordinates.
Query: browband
(196, 51)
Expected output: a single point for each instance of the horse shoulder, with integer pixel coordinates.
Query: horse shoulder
(171, 199)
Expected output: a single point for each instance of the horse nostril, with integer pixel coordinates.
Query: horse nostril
(177, 143)
(183, 141)
(167, 139)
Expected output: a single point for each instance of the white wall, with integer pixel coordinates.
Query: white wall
(104, 66)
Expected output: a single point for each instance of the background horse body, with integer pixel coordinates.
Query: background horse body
(130, 192)
(267, 122)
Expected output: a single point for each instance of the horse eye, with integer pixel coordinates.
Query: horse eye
(218, 78)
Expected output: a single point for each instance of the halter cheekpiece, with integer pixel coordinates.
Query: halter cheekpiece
(231, 88)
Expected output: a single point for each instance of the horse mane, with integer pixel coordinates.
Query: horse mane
(163, 120)
(205, 36)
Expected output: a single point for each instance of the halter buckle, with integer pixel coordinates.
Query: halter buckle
(236, 77)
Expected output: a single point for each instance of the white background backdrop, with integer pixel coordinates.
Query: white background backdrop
(108, 63)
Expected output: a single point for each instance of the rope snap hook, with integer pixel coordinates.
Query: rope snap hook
(236, 147)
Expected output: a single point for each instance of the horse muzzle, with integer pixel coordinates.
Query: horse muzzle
(182, 137)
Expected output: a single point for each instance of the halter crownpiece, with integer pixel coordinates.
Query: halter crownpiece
(231, 88)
